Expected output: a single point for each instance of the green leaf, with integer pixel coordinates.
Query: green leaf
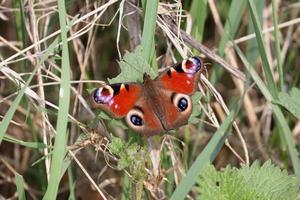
(117, 145)
(131, 156)
(133, 67)
(291, 101)
(256, 182)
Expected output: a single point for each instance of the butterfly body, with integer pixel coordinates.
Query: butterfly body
(155, 105)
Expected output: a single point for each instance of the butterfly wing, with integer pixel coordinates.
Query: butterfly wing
(128, 101)
(176, 85)
(116, 99)
(182, 77)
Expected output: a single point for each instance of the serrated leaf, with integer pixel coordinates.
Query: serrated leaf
(266, 182)
(133, 149)
(291, 101)
(133, 66)
(133, 157)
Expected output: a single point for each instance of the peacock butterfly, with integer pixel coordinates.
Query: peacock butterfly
(155, 105)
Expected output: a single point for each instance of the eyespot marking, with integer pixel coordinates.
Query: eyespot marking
(138, 108)
(135, 118)
(182, 102)
(103, 95)
(191, 65)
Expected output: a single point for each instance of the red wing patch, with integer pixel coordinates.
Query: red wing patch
(120, 102)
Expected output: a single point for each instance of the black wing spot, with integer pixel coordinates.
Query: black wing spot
(169, 73)
(178, 67)
(116, 88)
(126, 87)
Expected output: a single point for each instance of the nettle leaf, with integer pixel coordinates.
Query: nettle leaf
(131, 156)
(117, 145)
(266, 182)
(291, 101)
(133, 66)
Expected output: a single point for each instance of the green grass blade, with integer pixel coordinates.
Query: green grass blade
(235, 14)
(20, 186)
(277, 46)
(72, 185)
(62, 118)
(198, 12)
(252, 52)
(208, 154)
(33, 145)
(149, 29)
(282, 123)
(261, 48)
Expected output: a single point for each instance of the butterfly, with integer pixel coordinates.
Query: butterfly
(153, 106)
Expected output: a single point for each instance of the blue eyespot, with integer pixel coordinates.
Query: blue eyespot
(197, 61)
(103, 95)
(136, 120)
(182, 104)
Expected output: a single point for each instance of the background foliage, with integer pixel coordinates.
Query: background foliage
(53, 53)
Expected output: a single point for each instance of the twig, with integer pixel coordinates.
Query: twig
(133, 23)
